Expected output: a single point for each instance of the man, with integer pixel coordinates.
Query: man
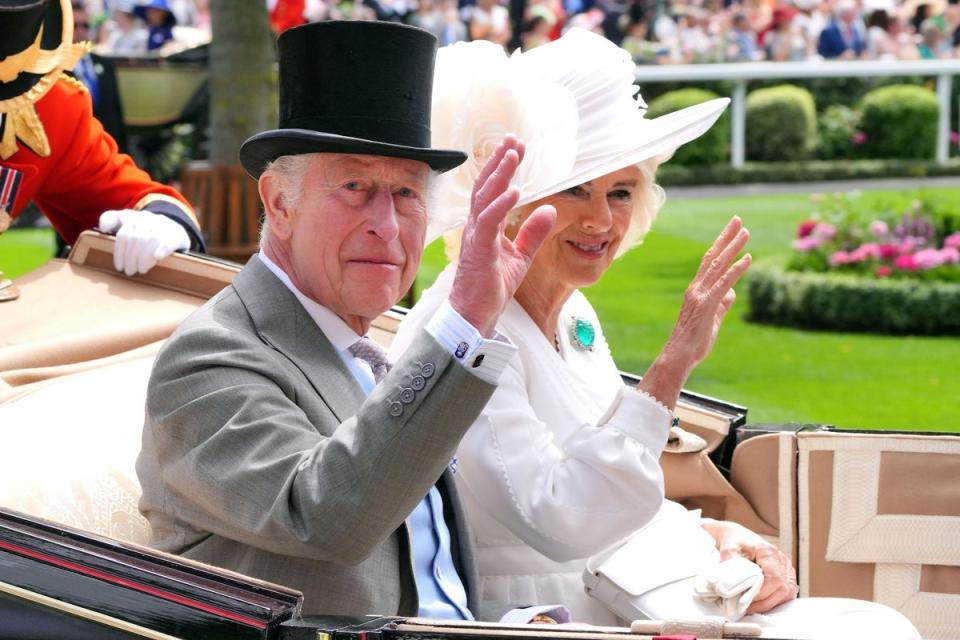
(99, 75)
(55, 153)
(276, 441)
(843, 37)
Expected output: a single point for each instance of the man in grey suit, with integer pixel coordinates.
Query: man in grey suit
(277, 441)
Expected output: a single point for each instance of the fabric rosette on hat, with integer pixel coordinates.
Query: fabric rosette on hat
(479, 96)
(573, 102)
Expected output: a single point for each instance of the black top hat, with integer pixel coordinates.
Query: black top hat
(20, 22)
(353, 87)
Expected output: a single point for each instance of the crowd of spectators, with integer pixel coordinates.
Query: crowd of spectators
(654, 31)
(130, 28)
(675, 31)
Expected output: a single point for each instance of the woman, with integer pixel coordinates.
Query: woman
(564, 460)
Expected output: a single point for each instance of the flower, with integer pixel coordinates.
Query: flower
(954, 138)
(927, 259)
(839, 258)
(950, 255)
(858, 138)
(906, 262)
(952, 240)
(824, 230)
(888, 251)
(864, 252)
(808, 243)
(806, 228)
(883, 271)
(879, 229)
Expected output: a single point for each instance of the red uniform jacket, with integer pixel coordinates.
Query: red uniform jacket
(85, 175)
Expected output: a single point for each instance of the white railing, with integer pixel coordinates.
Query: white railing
(742, 72)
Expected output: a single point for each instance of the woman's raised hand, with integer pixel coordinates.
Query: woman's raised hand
(705, 303)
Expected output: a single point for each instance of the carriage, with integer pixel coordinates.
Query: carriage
(871, 515)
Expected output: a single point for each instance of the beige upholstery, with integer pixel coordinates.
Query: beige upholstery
(70, 448)
(879, 519)
(80, 314)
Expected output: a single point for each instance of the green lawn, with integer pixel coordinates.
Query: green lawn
(22, 250)
(781, 375)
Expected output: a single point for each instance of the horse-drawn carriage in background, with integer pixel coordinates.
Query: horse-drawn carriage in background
(865, 515)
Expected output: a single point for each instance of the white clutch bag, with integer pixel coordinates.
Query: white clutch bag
(653, 574)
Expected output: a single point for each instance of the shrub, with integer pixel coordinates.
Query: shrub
(781, 123)
(837, 129)
(847, 303)
(711, 147)
(674, 175)
(900, 121)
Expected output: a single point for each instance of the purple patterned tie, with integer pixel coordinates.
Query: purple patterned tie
(373, 354)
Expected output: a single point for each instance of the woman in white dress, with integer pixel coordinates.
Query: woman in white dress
(564, 461)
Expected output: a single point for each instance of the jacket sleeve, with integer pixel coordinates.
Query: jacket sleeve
(568, 499)
(88, 175)
(229, 450)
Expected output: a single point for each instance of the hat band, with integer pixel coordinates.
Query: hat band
(13, 64)
(386, 130)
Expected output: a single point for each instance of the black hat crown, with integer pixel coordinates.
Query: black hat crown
(353, 87)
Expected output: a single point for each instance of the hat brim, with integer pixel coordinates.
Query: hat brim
(668, 133)
(263, 148)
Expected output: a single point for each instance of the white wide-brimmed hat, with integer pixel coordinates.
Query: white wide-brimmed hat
(573, 102)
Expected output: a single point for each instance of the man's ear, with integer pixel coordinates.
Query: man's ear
(278, 215)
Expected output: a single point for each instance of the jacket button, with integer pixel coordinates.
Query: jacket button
(418, 383)
(406, 395)
(427, 369)
(396, 409)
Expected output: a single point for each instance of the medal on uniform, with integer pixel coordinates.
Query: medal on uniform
(10, 180)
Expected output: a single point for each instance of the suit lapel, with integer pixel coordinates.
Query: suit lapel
(285, 325)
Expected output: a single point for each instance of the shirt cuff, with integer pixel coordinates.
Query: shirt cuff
(557, 612)
(641, 417)
(485, 358)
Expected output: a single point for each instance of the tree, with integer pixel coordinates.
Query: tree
(242, 76)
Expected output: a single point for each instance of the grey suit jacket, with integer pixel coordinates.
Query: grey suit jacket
(262, 454)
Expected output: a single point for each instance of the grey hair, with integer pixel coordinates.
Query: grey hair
(650, 199)
(290, 172)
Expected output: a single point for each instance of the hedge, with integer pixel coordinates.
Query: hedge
(711, 147)
(674, 175)
(847, 303)
(781, 123)
(837, 130)
(900, 121)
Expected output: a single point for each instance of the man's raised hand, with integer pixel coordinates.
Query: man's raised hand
(491, 265)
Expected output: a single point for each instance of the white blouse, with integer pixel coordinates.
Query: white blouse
(563, 462)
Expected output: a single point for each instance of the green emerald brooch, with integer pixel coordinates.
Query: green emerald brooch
(582, 334)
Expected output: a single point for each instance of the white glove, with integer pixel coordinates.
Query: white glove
(732, 585)
(143, 238)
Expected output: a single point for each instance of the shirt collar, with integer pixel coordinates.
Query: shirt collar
(338, 332)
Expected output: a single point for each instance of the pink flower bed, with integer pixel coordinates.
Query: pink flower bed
(914, 243)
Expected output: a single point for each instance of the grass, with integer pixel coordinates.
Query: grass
(780, 374)
(22, 250)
